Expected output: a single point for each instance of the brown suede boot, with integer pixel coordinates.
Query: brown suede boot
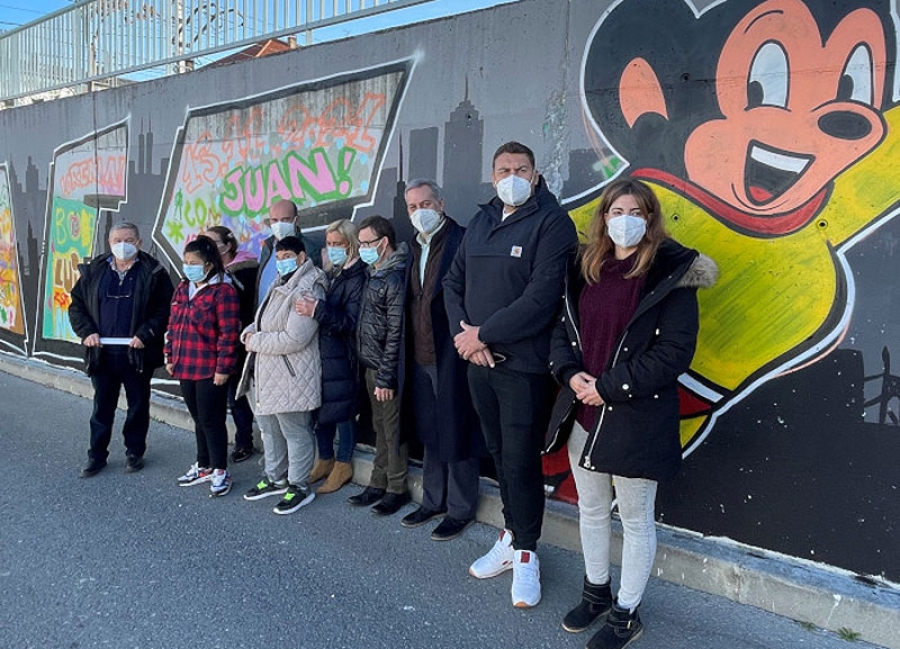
(321, 469)
(339, 476)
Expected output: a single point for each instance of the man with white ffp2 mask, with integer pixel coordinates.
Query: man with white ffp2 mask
(502, 293)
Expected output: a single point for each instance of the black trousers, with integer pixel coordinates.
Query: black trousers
(514, 409)
(208, 404)
(114, 373)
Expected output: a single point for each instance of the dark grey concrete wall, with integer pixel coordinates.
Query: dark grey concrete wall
(765, 127)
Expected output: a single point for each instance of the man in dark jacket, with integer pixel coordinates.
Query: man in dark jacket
(120, 307)
(380, 338)
(441, 406)
(502, 293)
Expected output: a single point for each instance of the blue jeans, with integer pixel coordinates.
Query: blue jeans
(325, 434)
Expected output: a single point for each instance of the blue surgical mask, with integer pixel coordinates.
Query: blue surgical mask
(194, 272)
(337, 255)
(369, 255)
(286, 266)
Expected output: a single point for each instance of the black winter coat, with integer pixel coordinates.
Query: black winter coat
(152, 299)
(381, 318)
(338, 315)
(636, 434)
(457, 435)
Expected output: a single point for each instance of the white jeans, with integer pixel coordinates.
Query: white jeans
(636, 498)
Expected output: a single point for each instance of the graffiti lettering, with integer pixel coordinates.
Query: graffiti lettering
(314, 144)
(315, 179)
(104, 174)
(340, 124)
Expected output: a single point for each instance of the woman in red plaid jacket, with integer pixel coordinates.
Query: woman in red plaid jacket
(201, 352)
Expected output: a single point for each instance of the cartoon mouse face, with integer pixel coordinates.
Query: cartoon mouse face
(796, 112)
(759, 105)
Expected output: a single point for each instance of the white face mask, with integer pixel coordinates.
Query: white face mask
(123, 251)
(514, 190)
(626, 230)
(425, 221)
(282, 229)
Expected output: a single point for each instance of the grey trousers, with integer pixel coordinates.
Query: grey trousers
(289, 445)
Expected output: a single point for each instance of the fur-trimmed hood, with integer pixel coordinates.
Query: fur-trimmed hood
(703, 273)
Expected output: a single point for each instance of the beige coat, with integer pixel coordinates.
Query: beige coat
(286, 367)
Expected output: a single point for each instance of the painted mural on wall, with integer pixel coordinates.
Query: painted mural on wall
(319, 144)
(12, 306)
(769, 131)
(87, 177)
(768, 128)
(778, 166)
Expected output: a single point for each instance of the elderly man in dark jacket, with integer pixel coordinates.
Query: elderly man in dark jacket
(120, 307)
(501, 293)
(440, 402)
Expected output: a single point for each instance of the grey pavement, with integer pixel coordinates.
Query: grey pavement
(132, 560)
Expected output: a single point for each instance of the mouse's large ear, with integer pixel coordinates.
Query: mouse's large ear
(640, 92)
(649, 73)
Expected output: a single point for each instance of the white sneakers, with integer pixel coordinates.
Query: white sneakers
(497, 561)
(526, 585)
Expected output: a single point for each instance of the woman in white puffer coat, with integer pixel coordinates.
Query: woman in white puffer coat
(283, 378)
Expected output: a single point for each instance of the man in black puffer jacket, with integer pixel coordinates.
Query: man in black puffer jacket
(380, 339)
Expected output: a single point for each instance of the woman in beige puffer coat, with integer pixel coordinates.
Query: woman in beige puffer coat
(283, 378)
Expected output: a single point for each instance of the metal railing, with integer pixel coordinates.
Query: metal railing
(99, 39)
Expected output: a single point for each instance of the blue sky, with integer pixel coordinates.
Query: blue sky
(14, 13)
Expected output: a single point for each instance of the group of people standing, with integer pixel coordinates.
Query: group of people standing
(456, 337)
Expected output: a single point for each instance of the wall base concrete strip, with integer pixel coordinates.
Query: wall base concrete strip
(828, 598)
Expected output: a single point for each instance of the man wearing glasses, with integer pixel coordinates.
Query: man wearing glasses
(120, 309)
(380, 342)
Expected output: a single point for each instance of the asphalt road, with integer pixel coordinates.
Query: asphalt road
(134, 561)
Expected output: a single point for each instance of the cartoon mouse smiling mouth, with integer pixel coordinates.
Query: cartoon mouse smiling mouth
(770, 172)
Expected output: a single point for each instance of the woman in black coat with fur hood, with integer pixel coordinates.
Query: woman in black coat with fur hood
(628, 329)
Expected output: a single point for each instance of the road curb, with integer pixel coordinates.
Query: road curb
(822, 596)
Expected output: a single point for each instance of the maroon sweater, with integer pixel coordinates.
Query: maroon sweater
(604, 309)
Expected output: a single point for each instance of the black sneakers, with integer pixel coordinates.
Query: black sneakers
(265, 488)
(294, 499)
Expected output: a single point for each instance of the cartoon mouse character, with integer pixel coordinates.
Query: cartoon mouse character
(765, 129)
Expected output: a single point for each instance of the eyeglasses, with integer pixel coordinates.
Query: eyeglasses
(370, 244)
